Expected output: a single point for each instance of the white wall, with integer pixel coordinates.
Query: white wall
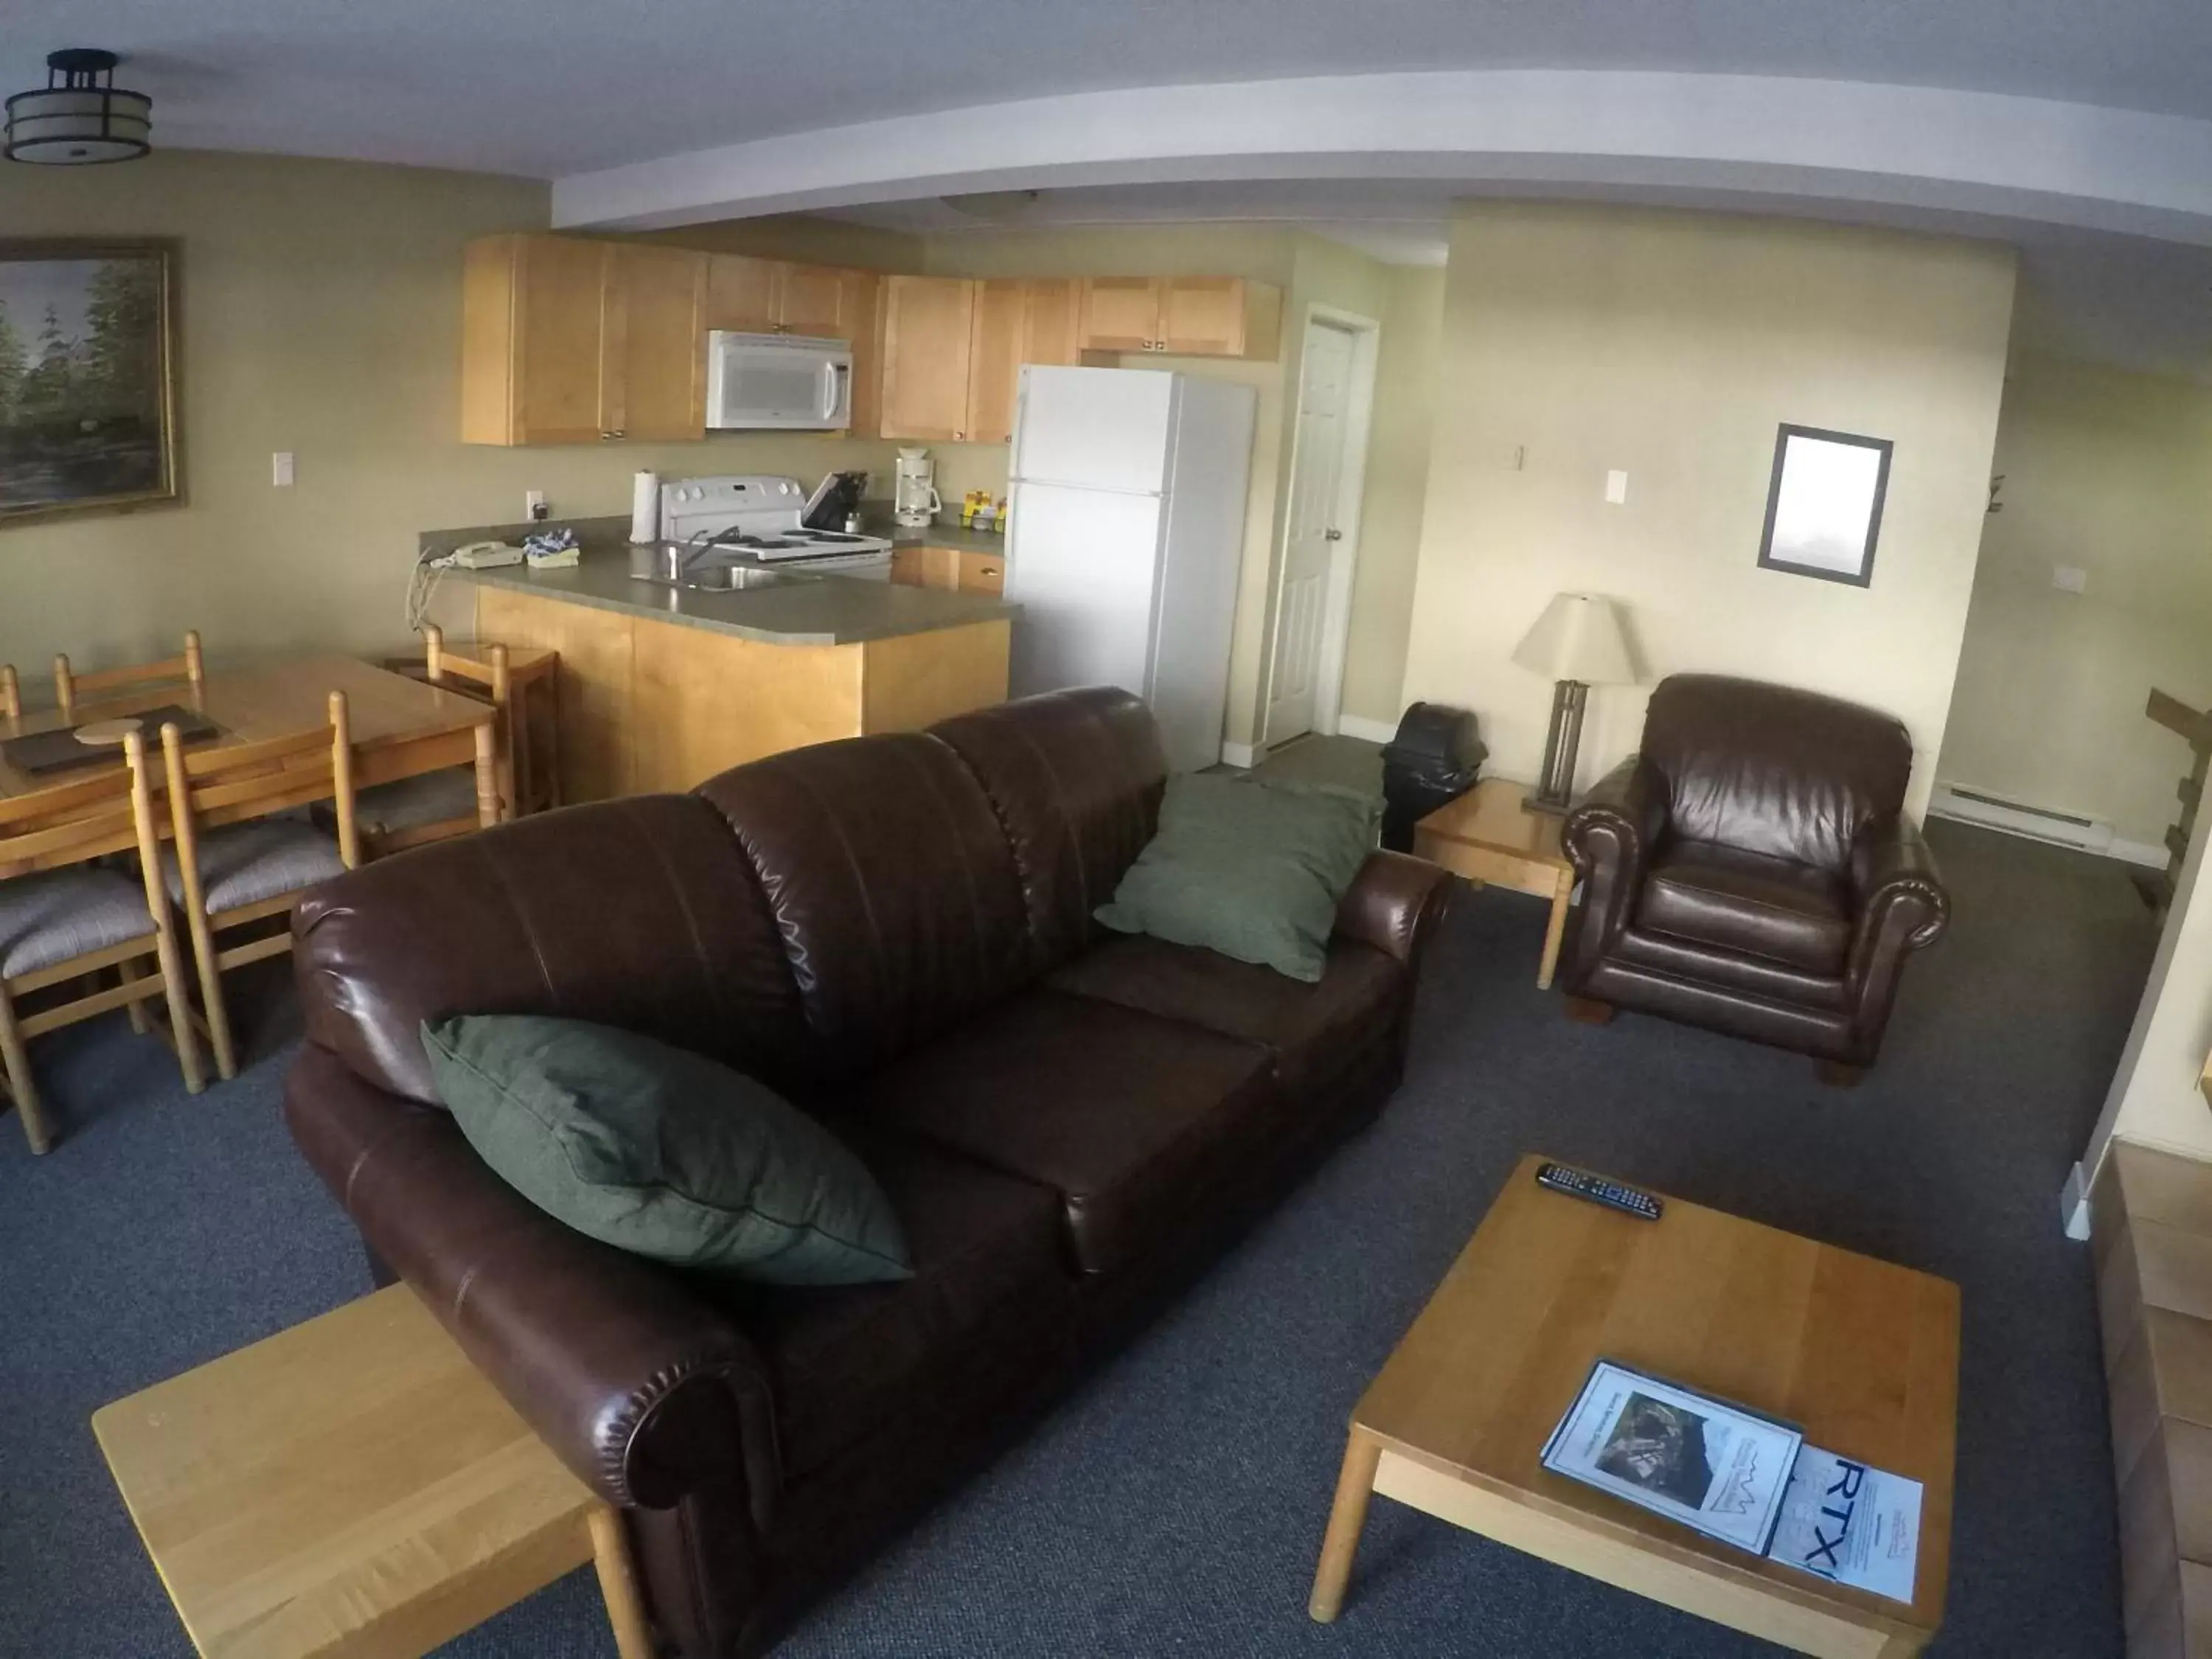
(2109, 473)
(1671, 345)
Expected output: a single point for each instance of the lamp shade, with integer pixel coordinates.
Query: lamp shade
(1578, 637)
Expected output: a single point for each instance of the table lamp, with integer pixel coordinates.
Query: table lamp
(1577, 643)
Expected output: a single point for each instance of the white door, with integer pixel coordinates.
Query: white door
(1084, 565)
(1317, 478)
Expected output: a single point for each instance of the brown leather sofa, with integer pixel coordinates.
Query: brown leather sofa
(1752, 869)
(895, 931)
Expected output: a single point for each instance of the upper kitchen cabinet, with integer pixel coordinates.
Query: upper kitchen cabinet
(934, 389)
(569, 341)
(928, 327)
(1183, 316)
(776, 296)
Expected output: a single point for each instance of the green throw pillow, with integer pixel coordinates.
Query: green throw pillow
(667, 1154)
(1251, 870)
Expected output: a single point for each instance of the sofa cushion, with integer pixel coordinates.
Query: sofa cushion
(891, 883)
(1132, 1118)
(1313, 1030)
(640, 913)
(1250, 869)
(844, 1362)
(661, 1152)
(1075, 778)
(1767, 907)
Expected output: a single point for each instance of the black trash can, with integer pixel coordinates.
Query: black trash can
(1433, 761)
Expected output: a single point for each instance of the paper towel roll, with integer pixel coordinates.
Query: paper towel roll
(644, 508)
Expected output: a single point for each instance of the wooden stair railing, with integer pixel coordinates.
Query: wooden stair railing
(2196, 726)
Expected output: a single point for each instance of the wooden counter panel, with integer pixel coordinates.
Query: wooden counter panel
(595, 648)
(703, 703)
(918, 680)
(649, 706)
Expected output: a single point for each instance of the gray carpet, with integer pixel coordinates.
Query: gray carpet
(1173, 1505)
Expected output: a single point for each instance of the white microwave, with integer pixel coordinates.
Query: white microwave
(788, 382)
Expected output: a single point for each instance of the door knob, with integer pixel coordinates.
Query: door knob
(1332, 535)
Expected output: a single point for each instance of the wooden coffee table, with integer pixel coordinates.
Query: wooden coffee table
(353, 1488)
(1487, 835)
(1863, 1354)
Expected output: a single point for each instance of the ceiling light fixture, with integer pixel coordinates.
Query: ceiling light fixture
(79, 117)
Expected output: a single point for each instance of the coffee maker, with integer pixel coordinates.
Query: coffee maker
(915, 500)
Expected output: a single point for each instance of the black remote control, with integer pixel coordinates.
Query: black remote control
(1573, 1182)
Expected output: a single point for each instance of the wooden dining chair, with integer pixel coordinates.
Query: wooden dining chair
(241, 854)
(438, 805)
(71, 687)
(64, 919)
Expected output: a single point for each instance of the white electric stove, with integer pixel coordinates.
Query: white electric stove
(763, 518)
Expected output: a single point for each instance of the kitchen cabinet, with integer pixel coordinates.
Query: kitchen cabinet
(862, 301)
(928, 328)
(569, 341)
(1181, 316)
(649, 706)
(949, 569)
(932, 389)
(778, 296)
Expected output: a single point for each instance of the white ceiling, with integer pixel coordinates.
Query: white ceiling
(549, 87)
(673, 111)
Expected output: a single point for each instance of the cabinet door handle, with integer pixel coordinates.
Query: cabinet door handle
(960, 437)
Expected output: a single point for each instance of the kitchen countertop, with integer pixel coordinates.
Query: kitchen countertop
(824, 608)
(941, 534)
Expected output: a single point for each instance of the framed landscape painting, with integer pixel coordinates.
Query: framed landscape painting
(88, 377)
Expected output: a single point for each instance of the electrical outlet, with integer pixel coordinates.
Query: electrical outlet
(533, 505)
(280, 469)
(1616, 487)
(2070, 578)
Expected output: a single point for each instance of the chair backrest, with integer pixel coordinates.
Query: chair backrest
(73, 822)
(71, 688)
(233, 783)
(491, 673)
(1773, 769)
(11, 693)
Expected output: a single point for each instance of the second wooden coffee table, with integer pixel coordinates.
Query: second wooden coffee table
(1864, 1355)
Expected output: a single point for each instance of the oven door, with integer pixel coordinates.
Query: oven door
(782, 382)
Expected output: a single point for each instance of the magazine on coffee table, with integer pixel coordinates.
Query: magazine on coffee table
(1851, 1524)
(1710, 1464)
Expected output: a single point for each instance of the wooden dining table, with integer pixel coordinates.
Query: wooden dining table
(400, 728)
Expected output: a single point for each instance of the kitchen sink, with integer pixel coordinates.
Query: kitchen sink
(727, 578)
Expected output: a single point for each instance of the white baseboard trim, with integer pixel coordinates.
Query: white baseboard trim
(1351, 725)
(2074, 1204)
(1239, 754)
(2138, 852)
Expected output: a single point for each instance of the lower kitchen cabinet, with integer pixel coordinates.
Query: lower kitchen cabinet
(649, 706)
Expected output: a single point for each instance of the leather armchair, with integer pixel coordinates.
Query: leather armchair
(1752, 869)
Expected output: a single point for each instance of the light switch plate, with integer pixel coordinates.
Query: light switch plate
(1616, 487)
(2070, 578)
(280, 469)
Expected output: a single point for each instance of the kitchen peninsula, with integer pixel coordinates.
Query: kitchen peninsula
(664, 686)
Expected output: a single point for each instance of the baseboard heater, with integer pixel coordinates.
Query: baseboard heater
(2018, 817)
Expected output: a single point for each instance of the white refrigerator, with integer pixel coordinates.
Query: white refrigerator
(1127, 495)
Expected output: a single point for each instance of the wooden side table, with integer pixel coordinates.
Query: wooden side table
(354, 1488)
(1487, 835)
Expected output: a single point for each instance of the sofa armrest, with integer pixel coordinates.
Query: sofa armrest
(1897, 891)
(1609, 836)
(1393, 904)
(643, 1390)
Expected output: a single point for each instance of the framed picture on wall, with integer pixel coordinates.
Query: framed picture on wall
(1824, 505)
(88, 377)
